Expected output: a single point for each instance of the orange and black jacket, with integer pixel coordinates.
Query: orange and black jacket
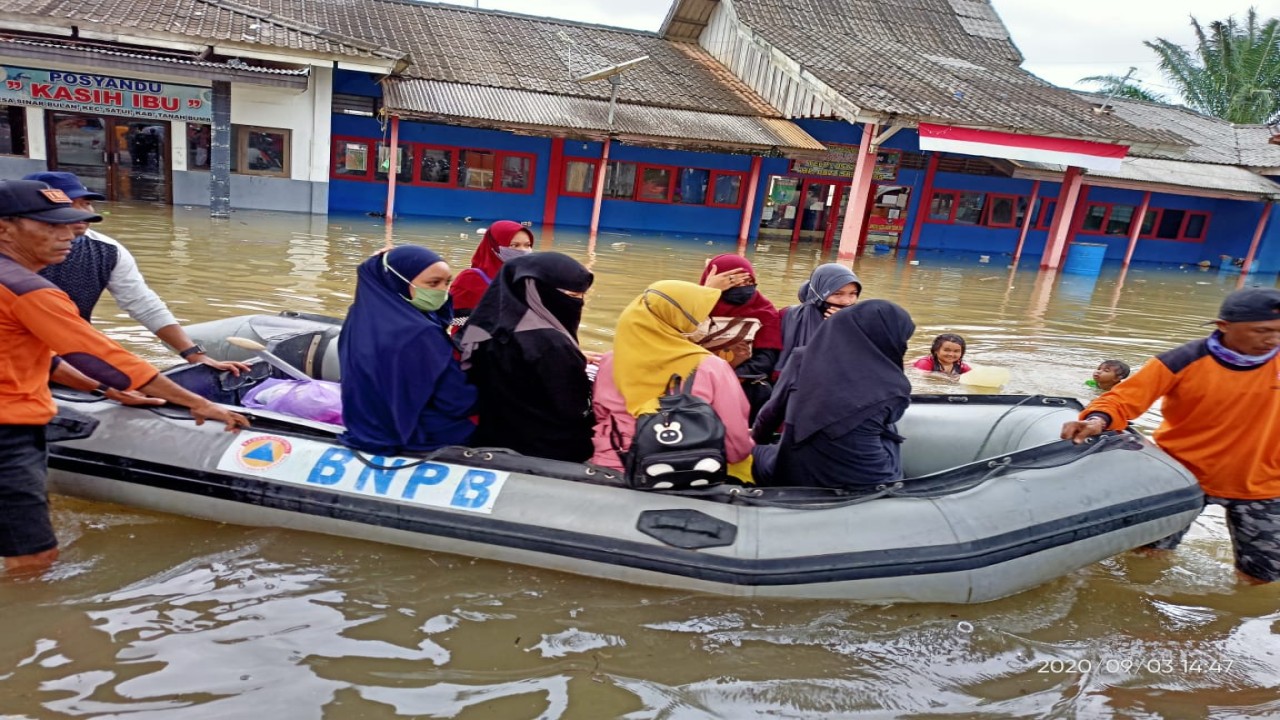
(1221, 421)
(38, 321)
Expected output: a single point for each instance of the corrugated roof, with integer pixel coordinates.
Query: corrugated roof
(944, 61)
(1212, 139)
(1187, 178)
(482, 106)
(206, 21)
(458, 44)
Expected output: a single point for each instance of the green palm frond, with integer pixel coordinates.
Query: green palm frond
(1122, 87)
(1232, 72)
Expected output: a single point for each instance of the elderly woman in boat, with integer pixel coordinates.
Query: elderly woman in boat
(840, 398)
(402, 389)
(520, 349)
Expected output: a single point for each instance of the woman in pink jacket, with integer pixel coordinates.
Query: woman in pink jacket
(656, 338)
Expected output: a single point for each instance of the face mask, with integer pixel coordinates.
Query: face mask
(738, 295)
(425, 299)
(507, 254)
(428, 300)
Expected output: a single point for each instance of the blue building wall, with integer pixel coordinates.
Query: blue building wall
(1229, 231)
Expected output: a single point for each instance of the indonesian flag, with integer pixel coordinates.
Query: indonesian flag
(1012, 146)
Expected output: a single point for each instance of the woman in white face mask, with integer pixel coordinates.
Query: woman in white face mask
(504, 240)
(656, 337)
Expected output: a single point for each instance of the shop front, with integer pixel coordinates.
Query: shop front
(808, 203)
(115, 132)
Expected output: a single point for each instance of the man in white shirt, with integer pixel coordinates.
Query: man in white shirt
(97, 262)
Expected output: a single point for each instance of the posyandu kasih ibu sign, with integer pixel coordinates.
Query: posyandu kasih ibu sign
(84, 92)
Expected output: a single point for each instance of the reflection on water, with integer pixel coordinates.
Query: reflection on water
(159, 616)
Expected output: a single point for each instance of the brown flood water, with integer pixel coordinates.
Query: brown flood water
(157, 616)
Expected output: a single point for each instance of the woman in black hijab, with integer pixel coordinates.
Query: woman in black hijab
(844, 393)
(520, 350)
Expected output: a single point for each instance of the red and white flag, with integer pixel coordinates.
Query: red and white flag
(1014, 146)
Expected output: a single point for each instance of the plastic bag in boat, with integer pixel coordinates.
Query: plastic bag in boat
(310, 399)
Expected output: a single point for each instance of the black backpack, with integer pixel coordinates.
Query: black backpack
(679, 446)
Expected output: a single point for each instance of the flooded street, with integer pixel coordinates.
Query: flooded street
(158, 616)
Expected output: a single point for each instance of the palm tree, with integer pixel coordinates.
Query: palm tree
(1234, 72)
(1122, 87)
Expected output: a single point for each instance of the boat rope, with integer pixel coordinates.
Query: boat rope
(1006, 463)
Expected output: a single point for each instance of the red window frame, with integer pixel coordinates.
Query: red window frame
(372, 159)
(990, 202)
(1044, 214)
(1204, 229)
(1102, 224)
(711, 188)
(500, 160)
(673, 172)
(453, 166)
(564, 175)
(412, 151)
(408, 149)
(951, 215)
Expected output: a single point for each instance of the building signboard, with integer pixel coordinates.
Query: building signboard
(842, 160)
(104, 94)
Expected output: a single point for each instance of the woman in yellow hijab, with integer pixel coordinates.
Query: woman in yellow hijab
(656, 338)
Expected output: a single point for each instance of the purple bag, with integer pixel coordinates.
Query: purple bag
(310, 399)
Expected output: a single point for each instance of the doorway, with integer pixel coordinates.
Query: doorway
(122, 158)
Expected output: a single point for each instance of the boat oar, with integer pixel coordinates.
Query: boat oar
(986, 376)
(270, 357)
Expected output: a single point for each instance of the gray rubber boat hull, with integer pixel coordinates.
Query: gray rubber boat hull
(996, 506)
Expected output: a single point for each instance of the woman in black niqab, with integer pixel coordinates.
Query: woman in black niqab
(844, 393)
(520, 350)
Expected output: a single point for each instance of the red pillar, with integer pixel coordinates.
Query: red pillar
(1026, 221)
(1257, 239)
(855, 215)
(555, 181)
(1136, 228)
(926, 196)
(600, 173)
(748, 205)
(1077, 223)
(1063, 219)
(393, 153)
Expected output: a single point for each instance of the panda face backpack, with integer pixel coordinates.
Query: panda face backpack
(679, 446)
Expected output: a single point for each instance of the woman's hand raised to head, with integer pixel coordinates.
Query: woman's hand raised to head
(727, 279)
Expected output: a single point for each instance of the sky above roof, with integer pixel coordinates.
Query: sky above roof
(1062, 42)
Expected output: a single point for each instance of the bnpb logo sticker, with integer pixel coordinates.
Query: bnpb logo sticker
(263, 452)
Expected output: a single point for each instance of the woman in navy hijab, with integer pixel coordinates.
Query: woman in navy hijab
(844, 392)
(402, 389)
(831, 286)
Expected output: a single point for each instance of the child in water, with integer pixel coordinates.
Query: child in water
(1108, 375)
(946, 356)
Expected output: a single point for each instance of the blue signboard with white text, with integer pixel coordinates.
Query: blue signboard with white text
(87, 93)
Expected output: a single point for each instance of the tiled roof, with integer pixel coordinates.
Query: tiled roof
(483, 106)
(208, 21)
(457, 44)
(945, 61)
(1212, 140)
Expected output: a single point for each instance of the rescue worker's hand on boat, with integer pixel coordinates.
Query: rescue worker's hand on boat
(235, 368)
(131, 397)
(1077, 431)
(209, 411)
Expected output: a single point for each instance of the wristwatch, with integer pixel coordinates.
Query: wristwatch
(196, 349)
